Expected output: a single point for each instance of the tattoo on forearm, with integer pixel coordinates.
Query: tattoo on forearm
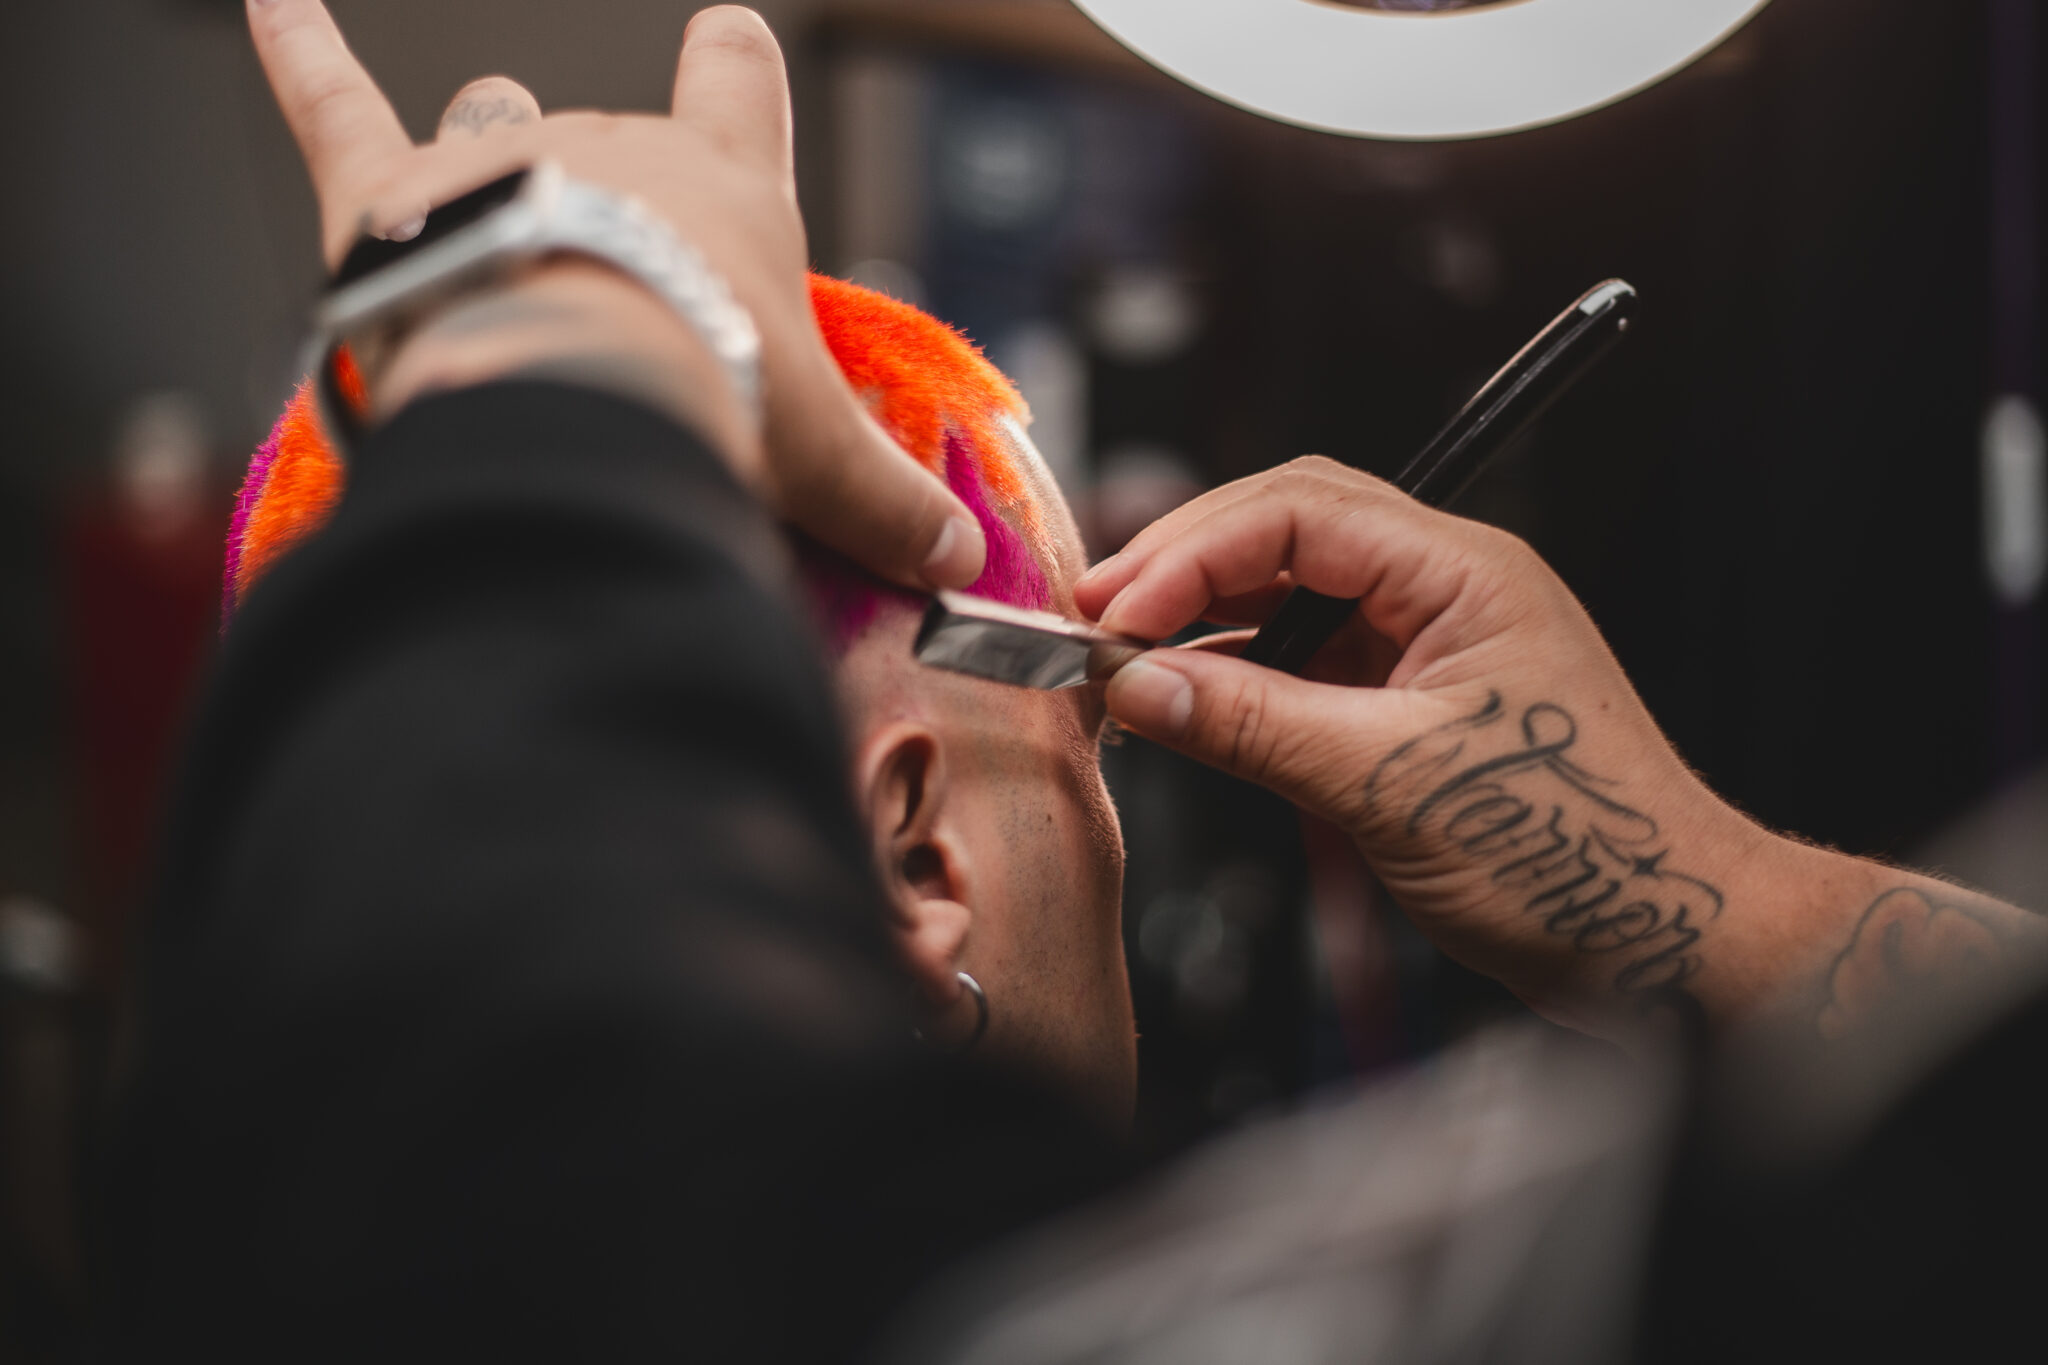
(1913, 938)
(1507, 795)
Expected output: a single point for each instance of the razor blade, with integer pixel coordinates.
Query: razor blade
(1017, 646)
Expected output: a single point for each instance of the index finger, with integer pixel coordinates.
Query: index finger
(841, 478)
(345, 127)
(1339, 537)
(1101, 584)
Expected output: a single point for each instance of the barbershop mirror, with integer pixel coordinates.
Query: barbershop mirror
(1421, 69)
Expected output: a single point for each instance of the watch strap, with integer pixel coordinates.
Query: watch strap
(502, 227)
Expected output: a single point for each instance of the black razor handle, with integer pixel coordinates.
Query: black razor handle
(1541, 372)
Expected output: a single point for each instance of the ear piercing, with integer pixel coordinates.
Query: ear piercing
(973, 988)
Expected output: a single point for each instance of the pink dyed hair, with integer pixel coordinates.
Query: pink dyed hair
(935, 392)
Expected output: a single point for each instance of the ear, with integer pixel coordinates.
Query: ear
(901, 770)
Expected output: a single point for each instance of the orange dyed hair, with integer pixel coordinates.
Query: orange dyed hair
(922, 380)
(926, 385)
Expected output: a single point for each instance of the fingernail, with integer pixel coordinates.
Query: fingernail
(1152, 699)
(1110, 610)
(408, 229)
(1100, 568)
(957, 555)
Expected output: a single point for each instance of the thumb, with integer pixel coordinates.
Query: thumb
(840, 478)
(1313, 743)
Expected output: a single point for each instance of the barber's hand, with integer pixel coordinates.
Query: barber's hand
(1469, 728)
(719, 170)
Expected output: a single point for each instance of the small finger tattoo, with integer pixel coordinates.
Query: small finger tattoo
(476, 114)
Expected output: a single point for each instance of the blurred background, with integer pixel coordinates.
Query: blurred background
(1805, 501)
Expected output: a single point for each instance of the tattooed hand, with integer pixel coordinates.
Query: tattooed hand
(1469, 728)
(1472, 731)
(1546, 841)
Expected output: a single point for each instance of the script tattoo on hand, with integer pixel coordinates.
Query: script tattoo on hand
(1913, 938)
(1555, 840)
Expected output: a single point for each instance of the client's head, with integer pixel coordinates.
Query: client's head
(997, 845)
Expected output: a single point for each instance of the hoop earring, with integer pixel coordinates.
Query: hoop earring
(973, 988)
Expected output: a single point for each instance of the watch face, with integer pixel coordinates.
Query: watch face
(371, 254)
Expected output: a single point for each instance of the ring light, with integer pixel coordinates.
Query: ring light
(1375, 72)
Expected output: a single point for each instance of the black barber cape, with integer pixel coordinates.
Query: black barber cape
(518, 984)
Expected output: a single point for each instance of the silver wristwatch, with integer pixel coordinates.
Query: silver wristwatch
(499, 228)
